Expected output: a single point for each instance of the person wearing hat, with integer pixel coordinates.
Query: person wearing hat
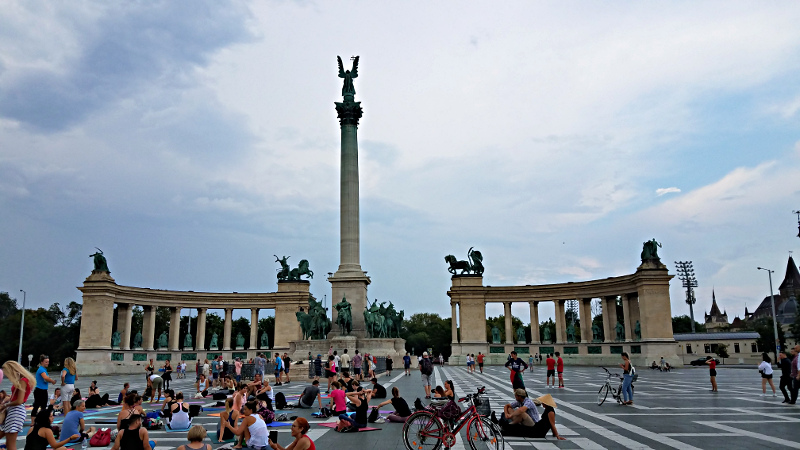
(521, 417)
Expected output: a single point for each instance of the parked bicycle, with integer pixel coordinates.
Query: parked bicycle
(425, 429)
(608, 388)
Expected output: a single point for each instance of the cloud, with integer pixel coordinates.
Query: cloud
(669, 190)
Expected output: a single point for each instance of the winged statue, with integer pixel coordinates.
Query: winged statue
(348, 89)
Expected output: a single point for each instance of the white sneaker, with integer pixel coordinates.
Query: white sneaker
(762, 395)
(774, 394)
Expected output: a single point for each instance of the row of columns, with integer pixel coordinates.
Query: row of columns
(125, 315)
(630, 308)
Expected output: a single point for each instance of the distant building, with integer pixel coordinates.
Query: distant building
(742, 346)
(716, 320)
(785, 299)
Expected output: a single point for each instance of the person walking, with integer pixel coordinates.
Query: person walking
(42, 384)
(517, 366)
(389, 364)
(785, 365)
(560, 370)
(407, 364)
(795, 374)
(68, 376)
(358, 363)
(712, 372)
(551, 370)
(21, 382)
(627, 380)
(480, 361)
(765, 369)
(426, 370)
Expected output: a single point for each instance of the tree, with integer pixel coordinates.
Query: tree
(683, 324)
(549, 325)
(794, 328)
(766, 332)
(214, 324)
(500, 323)
(267, 325)
(427, 330)
(8, 305)
(722, 352)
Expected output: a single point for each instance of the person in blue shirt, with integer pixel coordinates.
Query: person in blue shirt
(42, 383)
(73, 422)
(215, 372)
(278, 369)
(407, 364)
(68, 377)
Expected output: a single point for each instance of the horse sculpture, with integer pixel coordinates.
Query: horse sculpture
(306, 324)
(455, 265)
(302, 269)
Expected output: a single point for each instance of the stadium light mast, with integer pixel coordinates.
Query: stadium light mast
(686, 275)
(798, 221)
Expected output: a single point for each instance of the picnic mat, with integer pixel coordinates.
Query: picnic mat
(333, 425)
(280, 424)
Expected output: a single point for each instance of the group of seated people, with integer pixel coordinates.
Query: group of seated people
(664, 366)
(521, 417)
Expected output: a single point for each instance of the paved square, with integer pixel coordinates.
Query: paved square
(672, 410)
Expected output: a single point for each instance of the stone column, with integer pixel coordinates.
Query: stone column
(174, 329)
(655, 313)
(626, 314)
(453, 325)
(148, 327)
(509, 323)
(200, 340)
(585, 313)
(561, 322)
(226, 336)
(124, 319)
(253, 328)
(534, 322)
(609, 318)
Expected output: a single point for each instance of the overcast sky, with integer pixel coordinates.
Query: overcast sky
(192, 141)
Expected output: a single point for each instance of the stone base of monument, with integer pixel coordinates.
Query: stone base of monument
(108, 361)
(298, 350)
(188, 349)
(239, 348)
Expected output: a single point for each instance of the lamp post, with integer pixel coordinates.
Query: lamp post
(774, 317)
(686, 275)
(21, 326)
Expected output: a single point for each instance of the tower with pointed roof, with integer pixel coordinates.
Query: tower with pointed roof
(715, 319)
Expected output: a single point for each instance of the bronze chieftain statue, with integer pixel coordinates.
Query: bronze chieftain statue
(100, 263)
(344, 316)
(284, 274)
(650, 250)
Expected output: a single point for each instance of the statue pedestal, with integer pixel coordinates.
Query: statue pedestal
(188, 349)
(298, 350)
(138, 348)
(239, 348)
(115, 347)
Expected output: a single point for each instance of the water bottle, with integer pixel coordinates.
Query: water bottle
(85, 443)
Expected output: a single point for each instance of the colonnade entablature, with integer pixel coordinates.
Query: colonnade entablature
(645, 325)
(101, 294)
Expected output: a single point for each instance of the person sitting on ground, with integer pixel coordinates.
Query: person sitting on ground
(55, 400)
(266, 394)
(338, 404)
(42, 434)
(310, 393)
(378, 391)
(134, 437)
(347, 381)
(255, 385)
(239, 397)
(654, 366)
(95, 400)
(123, 392)
(360, 400)
(169, 400)
(521, 417)
(401, 409)
(179, 419)
(438, 392)
(128, 410)
(252, 427)
(300, 427)
(74, 424)
(449, 390)
(195, 436)
(230, 415)
(202, 386)
(76, 395)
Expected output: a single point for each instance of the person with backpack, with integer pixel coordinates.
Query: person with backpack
(426, 370)
(627, 379)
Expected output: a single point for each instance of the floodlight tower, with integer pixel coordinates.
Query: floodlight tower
(686, 275)
(798, 221)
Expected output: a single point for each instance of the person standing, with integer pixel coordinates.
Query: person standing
(712, 371)
(786, 376)
(42, 382)
(627, 380)
(68, 377)
(517, 366)
(357, 366)
(662, 366)
(278, 369)
(551, 371)
(530, 363)
(345, 361)
(167, 375)
(426, 370)
(389, 364)
(14, 407)
(795, 374)
(560, 370)
(407, 364)
(287, 364)
(480, 361)
(765, 368)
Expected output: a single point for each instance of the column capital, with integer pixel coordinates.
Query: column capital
(349, 112)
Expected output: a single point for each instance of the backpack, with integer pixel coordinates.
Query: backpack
(426, 366)
(373, 415)
(101, 439)
(634, 375)
(267, 415)
(324, 412)
(194, 410)
(450, 410)
(280, 401)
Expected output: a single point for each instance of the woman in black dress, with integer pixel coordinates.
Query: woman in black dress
(389, 364)
(167, 376)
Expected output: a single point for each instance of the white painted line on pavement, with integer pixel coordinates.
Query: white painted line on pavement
(758, 436)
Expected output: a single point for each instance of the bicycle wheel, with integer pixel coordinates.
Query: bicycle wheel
(423, 430)
(602, 394)
(483, 434)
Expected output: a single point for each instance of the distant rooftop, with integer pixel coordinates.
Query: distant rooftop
(716, 336)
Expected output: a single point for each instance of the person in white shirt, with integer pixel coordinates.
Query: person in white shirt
(765, 368)
(345, 361)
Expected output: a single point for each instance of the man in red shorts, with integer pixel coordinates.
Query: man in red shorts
(480, 361)
(560, 370)
(551, 369)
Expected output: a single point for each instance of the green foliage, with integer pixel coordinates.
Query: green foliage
(8, 305)
(214, 324)
(551, 326)
(500, 323)
(683, 324)
(427, 330)
(722, 352)
(794, 328)
(766, 332)
(267, 325)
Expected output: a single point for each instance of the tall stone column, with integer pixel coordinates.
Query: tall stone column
(453, 323)
(253, 328)
(200, 340)
(124, 319)
(509, 323)
(148, 327)
(561, 322)
(585, 313)
(626, 314)
(226, 336)
(174, 329)
(350, 281)
(609, 318)
(534, 322)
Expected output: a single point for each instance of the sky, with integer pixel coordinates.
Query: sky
(192, 141)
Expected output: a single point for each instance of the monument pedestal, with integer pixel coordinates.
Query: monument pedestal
(396, 347)
(351, 285)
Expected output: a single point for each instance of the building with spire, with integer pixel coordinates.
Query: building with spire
(785, 299)
(716, 320)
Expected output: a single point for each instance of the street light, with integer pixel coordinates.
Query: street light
(798, 221)
(21, 326)
(774, 317)
(686, 275)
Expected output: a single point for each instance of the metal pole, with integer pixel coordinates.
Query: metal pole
(774, 317)
(21, 326)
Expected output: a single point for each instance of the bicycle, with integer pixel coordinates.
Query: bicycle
(607, 388)
(424, 429)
